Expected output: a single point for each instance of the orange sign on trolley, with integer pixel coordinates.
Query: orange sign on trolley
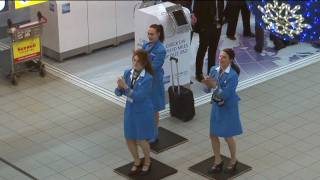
(26, 49)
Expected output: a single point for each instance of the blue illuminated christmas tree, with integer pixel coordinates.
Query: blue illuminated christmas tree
(289, 19)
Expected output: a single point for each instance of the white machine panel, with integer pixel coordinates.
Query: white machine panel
(124, 16)
(76, 27)
(50, 33)
(73, 25)
(102, 20)
(177, 43)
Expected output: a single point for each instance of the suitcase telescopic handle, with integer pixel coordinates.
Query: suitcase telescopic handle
(172, 75)
(174, 59)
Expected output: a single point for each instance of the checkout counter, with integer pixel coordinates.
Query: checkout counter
(177, 28)
(78, 27)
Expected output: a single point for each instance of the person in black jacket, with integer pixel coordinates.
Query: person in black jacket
(232, 14)
(259, 36)
(207, 21)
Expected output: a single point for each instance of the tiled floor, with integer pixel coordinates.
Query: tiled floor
(57, 131)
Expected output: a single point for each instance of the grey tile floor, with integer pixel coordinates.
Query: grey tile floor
(57, 131)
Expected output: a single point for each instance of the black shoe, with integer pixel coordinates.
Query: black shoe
(137, 169)
(232, 38)
(279, 47)
(231, 168)
(216, 168)
(257, 49)
(146, 172)
(153, 141)
(199, 77)
(249, 35)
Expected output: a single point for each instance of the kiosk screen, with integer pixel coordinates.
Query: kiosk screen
(180, 17)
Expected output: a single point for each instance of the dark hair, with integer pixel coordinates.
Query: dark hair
(232, 55)
(143, 57)
(159, 29)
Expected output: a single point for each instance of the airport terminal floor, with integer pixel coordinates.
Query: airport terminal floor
(69, 124)
(54, 130)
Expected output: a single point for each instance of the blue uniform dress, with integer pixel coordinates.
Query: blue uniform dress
(225, 120)
(157, 54)
(139, 121)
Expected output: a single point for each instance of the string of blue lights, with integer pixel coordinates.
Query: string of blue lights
(290, 19)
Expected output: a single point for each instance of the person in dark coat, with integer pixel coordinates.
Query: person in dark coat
(259, 36)
(207, 21)
(232, 14)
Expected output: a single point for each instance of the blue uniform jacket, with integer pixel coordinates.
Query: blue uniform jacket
(228, 83)
(157, 55)
(225, 120)
(141, 92)
(139, 112)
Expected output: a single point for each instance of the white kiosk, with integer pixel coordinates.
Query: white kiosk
(176, 23)
(77, 27)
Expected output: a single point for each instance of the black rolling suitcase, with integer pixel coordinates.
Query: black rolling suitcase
(180, 98)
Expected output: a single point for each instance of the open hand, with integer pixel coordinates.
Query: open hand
(209, 81)
(221, 103)
(121, 83)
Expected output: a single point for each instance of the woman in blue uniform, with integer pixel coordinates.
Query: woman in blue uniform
(225, 118)
(139, 123)
(157, 54)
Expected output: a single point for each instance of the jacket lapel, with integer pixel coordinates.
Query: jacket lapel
(138, 82)
(223, 79)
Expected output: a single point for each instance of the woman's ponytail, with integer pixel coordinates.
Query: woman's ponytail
(235, 67)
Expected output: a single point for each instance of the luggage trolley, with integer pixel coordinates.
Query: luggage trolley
(26, 48)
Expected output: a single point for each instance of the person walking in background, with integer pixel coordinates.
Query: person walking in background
(157, 54)
(139, 123)
(232, 15)
(208, 20)
(225, 118)
(259, 36)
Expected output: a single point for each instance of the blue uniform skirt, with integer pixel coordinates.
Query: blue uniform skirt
(139, 125)
(158, 94)
(225, 120)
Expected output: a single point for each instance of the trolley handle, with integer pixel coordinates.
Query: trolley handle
(41, 20)
(11, 27)
(39, 15)
(9, 23)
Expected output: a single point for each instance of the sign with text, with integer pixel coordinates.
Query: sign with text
(26, 49)
(26, 3)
